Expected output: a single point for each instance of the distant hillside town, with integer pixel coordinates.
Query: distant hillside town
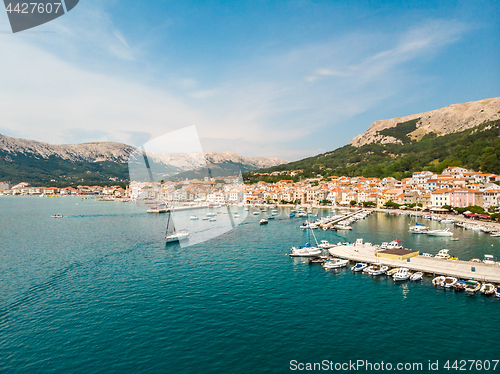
(456, 187)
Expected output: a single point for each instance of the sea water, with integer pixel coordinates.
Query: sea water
(98, 291)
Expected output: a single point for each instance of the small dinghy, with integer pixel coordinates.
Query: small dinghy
(472, 286)
(488, 289)
(438, 281)
(497, 292)
(417, 276)
(460, 286)
(449, 282)
(360, 266)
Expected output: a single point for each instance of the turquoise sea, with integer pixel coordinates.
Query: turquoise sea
(98, 291)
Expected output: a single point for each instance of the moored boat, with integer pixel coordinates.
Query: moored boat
(319, 259)
(360, 266)
(417, 276)
(487, 289)
(438, 281)
(58, 215)
(449, 282)
(445, 232)
(489, 260)
(304, 251)
(443, 254)
(194, 218)
(401, 275)
(497, 292)
(335, 263)
(264, 221)
(325, 244)
(377, 269)
(460, 285)
(472, 286)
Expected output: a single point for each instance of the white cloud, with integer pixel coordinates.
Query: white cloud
(52, 89)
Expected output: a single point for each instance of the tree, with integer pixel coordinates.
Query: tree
(353, 202)
(447, 207)
(368, 203)
(391, 204)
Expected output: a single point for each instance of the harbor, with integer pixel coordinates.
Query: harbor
(429, 265)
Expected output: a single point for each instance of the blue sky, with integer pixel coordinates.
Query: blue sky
(273, 79)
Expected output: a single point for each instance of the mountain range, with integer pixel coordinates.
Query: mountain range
(465, 134)
(106, 162)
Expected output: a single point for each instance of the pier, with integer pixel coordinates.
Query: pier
(328, 224)
(428, 265)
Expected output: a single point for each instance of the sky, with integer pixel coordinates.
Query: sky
(272, 79)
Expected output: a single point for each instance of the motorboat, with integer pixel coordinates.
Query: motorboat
(301, 214)
(341, 226)
(449, 282)
(177, 236)
(292, 215)
(236, 215)
(497, 292)
(256, 213)
(205, 218)
(384, 245)
(443, 254)
(475, 260)
(193, 218)
(472, 286)
(426, 255)
(487, 289)
(489, 260)
(377, 269)
(305, 251)
(360, 266)
(58, 215)
(495, 234)
(395, 244)
(325, 244)
(460, 285)
(416, 276)
(401, 275)
(159, 208)
(211, 214)
(447, 220)
(445, 232)
(319, 259)
(438, 281)
(335, 263)
(264, 221)
(212, 219)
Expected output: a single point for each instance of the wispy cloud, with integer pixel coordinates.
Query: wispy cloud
(281, 104)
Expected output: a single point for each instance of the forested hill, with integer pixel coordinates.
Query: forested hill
(477, 148)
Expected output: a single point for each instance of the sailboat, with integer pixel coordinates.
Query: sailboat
(307, 250)
(171, 235)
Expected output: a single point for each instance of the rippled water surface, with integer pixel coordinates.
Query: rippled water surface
(99, 292)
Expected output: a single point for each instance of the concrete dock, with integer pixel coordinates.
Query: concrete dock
(455, 268)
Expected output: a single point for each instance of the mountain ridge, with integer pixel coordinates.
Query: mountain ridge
(100, 162)
(447, 120)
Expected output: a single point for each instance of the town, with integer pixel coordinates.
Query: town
(456, 187)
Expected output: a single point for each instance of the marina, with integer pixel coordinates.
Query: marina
(364, 252)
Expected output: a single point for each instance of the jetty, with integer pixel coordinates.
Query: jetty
(429, 265)
(327, 224)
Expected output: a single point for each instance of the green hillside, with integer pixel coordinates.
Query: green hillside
(477, 149)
